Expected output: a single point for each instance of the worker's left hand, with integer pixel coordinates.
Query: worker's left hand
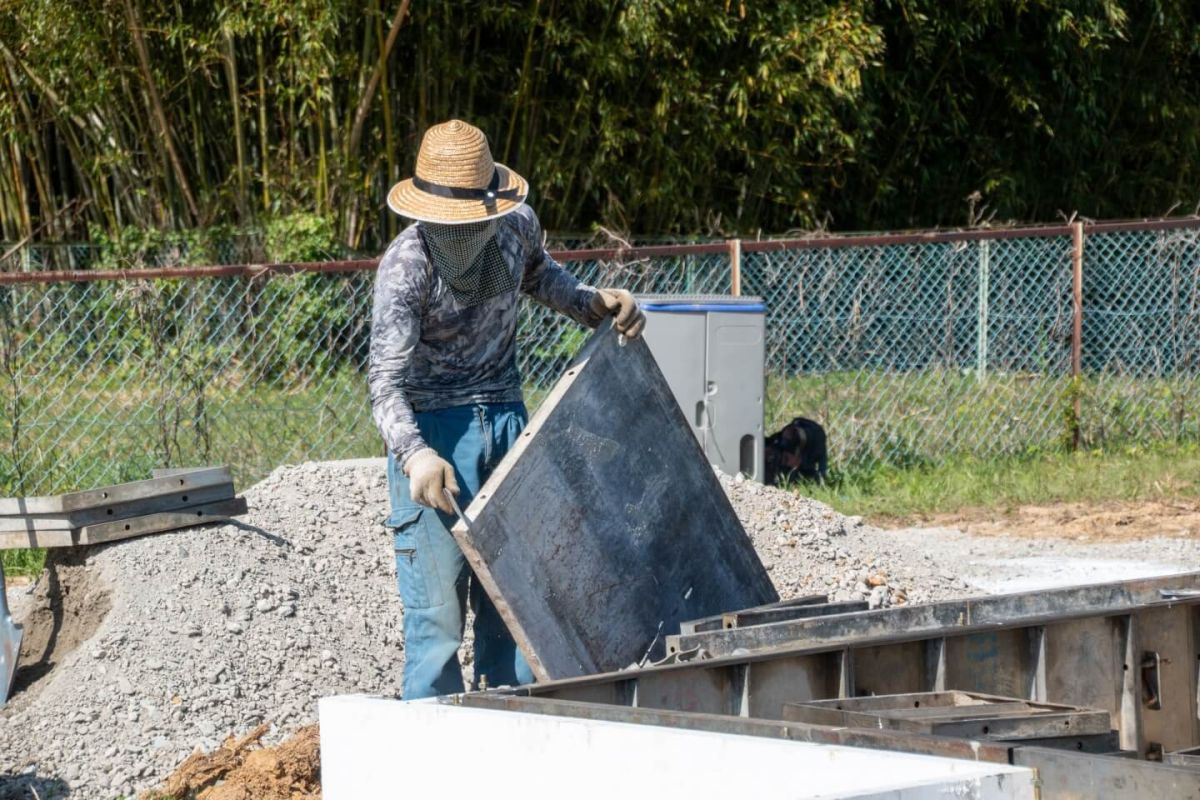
(628, 319)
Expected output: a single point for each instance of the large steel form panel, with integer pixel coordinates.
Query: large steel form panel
(1129, 648)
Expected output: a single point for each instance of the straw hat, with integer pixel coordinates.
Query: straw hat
(456, 179)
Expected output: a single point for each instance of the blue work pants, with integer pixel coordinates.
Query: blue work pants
(430, 568)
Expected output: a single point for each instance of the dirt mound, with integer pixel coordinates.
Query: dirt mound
(1103, 521)
(241, 771)
(68, 605)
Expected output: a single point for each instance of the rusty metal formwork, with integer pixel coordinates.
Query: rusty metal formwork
(1130, 650)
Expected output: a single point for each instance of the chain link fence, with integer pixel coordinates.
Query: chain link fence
(1141, 336)
(913, 351)
(909, 349)
(101, 380)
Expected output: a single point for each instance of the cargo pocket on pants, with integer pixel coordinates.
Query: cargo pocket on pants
(416, 564)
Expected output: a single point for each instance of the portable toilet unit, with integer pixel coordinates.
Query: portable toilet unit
(711, 350)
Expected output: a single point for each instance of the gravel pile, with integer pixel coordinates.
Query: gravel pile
(210, 632)
(808, 548)
(141, 651)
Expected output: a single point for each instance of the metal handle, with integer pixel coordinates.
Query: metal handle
(454, 504)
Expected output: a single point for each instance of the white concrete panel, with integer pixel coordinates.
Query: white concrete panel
(379, 748)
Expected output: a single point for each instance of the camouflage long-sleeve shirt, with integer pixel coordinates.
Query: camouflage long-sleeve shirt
(430, 352)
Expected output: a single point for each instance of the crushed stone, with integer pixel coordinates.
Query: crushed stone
(808, 548)
(237, 629)
(213, 632)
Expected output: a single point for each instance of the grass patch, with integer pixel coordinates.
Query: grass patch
(941, 415)
(110, 434)
(900, 441)
(23, 562)
(895, 493)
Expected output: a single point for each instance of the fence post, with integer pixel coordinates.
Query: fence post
(1076, 329)
(735, 267)
(981, 329)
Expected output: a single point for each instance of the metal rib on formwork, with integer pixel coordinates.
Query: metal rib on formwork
(1061, 774)
(1128, 650)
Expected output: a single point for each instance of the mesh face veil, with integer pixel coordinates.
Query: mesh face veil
(467, 257)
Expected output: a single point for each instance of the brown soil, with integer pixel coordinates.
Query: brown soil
(1110, 520)
(68, 605)
(240, 770)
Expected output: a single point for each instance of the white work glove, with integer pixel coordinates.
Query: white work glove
(428, 473)
(628, 319)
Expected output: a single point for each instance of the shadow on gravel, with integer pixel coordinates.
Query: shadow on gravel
(274, 539)
(68, 606)
(24, 787)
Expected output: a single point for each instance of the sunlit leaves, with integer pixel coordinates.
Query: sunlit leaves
(654, 116)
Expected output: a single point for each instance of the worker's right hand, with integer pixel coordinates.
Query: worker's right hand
(427, 474)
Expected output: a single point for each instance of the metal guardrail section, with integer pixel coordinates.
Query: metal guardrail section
(1131, 649)
(909, 348)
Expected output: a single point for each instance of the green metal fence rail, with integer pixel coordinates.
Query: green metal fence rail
(909, 348)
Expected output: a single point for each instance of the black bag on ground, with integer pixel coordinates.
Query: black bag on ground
(798, 452)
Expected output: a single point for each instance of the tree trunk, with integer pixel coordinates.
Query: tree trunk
(364, 102)
(156, 108)
(389, 136)
(264, 150)
(239, 139)
(526, 66)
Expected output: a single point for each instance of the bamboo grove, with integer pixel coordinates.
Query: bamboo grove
(650, 116)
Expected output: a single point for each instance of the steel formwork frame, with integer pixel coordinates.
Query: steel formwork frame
(1062, 773)
(1130, 648)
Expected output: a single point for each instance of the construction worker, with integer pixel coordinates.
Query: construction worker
(445, 390)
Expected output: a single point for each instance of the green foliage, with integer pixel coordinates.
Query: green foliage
(166, 333)
(299, 237)
(654, 116)
(905, 420)
(305, 342)
(1042, 107)
(279, 238)
(133, 246)
(1072, 425)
